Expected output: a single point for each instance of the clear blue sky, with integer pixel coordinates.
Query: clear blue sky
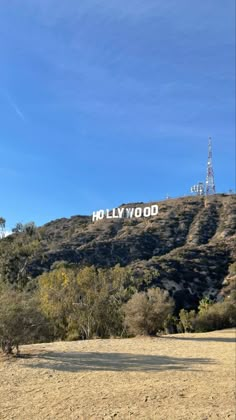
(104, 102)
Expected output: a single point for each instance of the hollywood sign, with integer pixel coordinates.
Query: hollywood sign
(125, 212)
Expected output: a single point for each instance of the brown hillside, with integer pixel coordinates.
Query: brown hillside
(191, 242)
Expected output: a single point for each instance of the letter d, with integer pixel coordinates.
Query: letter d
(154, 210)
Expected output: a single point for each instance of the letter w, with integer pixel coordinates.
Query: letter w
(129, 213)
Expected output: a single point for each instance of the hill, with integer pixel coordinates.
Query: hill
(187, 248)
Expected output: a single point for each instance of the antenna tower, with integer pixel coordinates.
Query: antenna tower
(210, 183)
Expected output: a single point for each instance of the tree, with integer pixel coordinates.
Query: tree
(28, 228)
(187, 320)
(84, 303)
(18, 228)
(146, 312)
(2, 227)
(21, 321)
(204, 305)
(57, 293)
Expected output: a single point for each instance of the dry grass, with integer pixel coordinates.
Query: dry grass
(184, 376)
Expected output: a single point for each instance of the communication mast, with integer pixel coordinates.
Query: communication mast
(210, 183)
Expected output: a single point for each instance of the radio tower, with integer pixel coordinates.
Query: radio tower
(210, 183)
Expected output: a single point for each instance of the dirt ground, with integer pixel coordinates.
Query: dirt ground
(184, 376)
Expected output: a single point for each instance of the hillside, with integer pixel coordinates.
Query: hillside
(187, 247)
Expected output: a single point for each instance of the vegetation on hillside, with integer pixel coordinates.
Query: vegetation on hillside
(71, 304)
(74, 279)
(186, 249)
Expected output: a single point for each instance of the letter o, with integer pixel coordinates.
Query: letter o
(138, 212)
(100, 214)
(147, 211)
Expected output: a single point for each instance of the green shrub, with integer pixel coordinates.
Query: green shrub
(218, 316)
(187, 320)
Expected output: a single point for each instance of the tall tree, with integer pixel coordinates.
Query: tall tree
(2, 227)
(84, 303)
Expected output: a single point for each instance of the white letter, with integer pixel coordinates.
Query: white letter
(154, 210)
(109, 216)
(100, 214)
(147, 211)
(138, 212)
(95, 216)
(114, 214)
(129, 213)
(120, 212)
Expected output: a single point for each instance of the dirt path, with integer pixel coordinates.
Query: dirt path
(184, 376)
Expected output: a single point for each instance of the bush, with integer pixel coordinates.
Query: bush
(170, 324)
(187, 321)
(145, 313)
(232, 268)
(217, 316)
(21, 322)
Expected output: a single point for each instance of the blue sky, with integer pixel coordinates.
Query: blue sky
(107, 102)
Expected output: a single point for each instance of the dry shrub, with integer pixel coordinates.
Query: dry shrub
(146, 312)
(21, 321)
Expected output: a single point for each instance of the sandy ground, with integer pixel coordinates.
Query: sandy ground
(184, 376)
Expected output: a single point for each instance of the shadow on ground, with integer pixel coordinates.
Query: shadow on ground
(217, 339)
(76, 361)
